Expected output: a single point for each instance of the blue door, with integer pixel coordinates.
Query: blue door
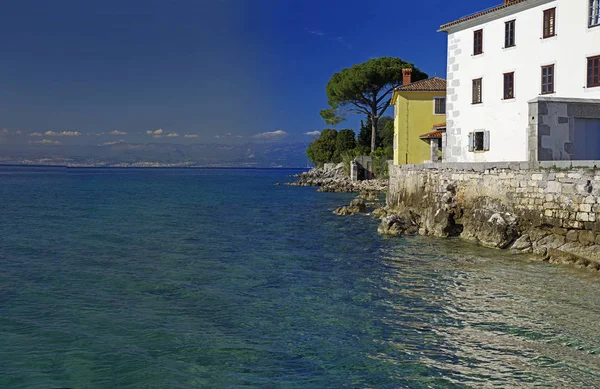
(586, 140)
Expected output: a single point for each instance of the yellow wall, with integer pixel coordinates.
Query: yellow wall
(414, 117)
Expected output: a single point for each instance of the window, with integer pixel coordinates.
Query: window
(477, 92)
(549, 23)
(593, 72)
(509, 86)
(509, 34)
(547, 79)
(594, 13)
(440, 105)
(478, 42)
(479, 141)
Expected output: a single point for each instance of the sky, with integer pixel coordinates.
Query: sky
(224, 71)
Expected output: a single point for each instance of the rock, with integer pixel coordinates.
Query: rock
(336, 180)
(573, 235)
(587, 238)
(369, 195)
(497, 230)
(522, 245)
(398, 225)
(542, 246)
(444, 225)
(380, 212)
(359, 204)
(356, 206)
(344, 211)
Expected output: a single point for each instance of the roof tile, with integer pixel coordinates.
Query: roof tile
(433, 84)
(481, 13)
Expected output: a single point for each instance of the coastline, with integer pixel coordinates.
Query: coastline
(336, 180)
(551, 215)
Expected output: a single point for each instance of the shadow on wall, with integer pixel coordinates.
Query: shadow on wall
(564, 129)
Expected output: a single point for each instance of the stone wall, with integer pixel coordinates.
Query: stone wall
(552, 212)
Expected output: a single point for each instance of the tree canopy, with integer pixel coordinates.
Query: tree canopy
(322, 149)
(366, 88)
(330, 146)
(384, 137)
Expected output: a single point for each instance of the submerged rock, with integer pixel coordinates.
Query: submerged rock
(380, 212)
(404, 224)
(356, 206)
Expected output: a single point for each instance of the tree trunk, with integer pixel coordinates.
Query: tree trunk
(374, 120)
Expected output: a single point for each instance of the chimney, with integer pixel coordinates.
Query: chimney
(406, 76)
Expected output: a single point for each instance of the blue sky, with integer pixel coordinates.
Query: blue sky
(217, 71)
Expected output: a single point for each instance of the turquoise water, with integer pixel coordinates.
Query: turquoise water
(184, 278)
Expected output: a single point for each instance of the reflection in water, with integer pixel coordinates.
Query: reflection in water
(498, 321)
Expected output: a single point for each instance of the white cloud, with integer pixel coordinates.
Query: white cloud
(313, 133)
(172, 135)
(191, 136)
(315, 32)
(62, 133)
(35, 134)
(112, 142)
(117, 132)
(155, 132)
(47, 142)
(277, 134)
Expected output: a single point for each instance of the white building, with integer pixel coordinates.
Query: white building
(524, 83)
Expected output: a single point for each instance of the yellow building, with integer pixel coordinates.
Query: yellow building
(419, 107)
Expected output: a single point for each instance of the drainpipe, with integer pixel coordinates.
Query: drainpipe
(407, 113)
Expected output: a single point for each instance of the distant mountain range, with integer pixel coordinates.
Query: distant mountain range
(160, 154)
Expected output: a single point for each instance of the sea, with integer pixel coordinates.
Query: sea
(218, 278)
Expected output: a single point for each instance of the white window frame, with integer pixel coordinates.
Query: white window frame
(434, 104)
(485, 142)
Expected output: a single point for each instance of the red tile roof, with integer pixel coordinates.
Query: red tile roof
(434, 84)
(481, 13)
(432, 134)
(441, 125)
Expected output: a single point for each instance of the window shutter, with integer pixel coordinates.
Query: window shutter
(486, 140)
(471, 141)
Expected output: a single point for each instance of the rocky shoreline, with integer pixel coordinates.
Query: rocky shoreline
(336, 180)
(552, 215)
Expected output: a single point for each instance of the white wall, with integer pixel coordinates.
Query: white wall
(507, 120)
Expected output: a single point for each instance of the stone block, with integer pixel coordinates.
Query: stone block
(585, 208)
(590, 200)
(549, 198)
(582, 217)
(554, 187)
